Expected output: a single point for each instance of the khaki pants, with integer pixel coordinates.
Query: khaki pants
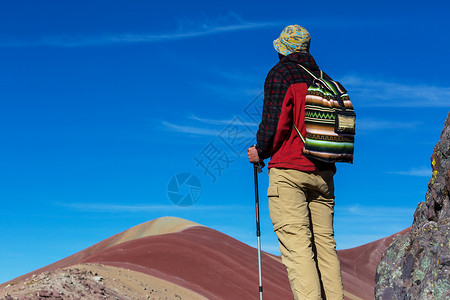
(301, 206)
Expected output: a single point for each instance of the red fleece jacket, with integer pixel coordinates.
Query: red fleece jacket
(284, 105)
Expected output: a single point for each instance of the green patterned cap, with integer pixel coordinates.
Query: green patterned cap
(293, 38)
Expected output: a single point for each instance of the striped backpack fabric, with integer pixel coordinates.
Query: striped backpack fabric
(329, 120)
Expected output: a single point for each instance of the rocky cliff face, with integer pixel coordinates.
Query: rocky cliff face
(417, 265)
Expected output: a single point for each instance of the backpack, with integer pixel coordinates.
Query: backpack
(329, 120)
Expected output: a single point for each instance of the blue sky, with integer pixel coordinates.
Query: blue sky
(104, 102)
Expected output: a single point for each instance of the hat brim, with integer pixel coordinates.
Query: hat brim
(280, 47)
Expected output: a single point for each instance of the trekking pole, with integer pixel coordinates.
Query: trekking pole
(258, 169)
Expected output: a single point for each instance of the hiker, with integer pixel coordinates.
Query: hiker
(301, 190)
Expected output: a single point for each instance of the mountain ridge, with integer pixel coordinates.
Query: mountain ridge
(191, 257)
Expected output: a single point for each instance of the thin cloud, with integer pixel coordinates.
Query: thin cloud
(373, 124)
(217, 122)
(210, 121)
(370, 212)
(104, 207)
(379, 93)
(191, 130)
(127, 208)
(229, 23)
(374, 222)
(424, 172)
(233, 127)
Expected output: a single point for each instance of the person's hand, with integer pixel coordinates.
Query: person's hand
(253, 155)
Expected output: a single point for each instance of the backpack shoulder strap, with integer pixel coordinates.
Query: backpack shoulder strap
(328, 84)
(298, 132)
(310, 73)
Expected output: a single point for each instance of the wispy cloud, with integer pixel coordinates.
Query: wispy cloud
(373, 124)
(374, 211)
(423, 172)
(217, 121)
(211, 121)
(187, 30)
(358, 224)
(191, 129)
(224, 127)
(382, 93)
(128, 208)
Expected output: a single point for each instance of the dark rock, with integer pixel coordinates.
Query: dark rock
(417, 265)
(408, 266)
(43, 294)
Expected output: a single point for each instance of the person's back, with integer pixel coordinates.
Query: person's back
(301, 190)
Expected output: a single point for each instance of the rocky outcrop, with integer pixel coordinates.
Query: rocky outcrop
(417, 265)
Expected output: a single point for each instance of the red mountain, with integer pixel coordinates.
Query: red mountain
(194, 259)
